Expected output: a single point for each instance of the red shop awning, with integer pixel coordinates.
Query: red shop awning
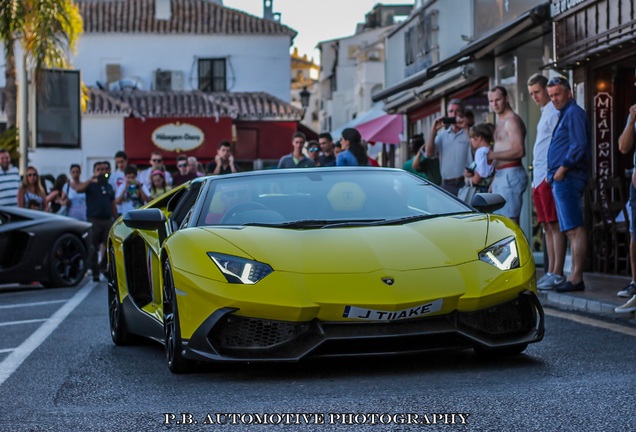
(386, 129)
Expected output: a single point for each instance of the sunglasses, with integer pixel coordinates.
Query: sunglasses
(182, 165)
(559, 81)
(314, 149)
(32, 175)
(156, 160)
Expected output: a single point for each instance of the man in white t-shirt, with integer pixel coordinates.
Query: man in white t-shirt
(156, 163)
(555, 241)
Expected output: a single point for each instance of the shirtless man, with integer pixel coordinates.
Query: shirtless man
(510, 179)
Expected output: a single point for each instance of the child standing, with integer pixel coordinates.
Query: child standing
(479, 173)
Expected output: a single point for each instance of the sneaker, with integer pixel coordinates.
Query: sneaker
(570, 287)
(628, 291)
(559, 281)
(630, 306)
(542, 282)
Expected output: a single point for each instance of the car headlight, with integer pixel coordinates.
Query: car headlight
(504, 254)
(240, 270)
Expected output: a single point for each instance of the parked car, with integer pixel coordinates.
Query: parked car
(37, 246)
(291, 264)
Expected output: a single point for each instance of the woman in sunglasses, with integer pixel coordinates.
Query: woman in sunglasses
(31, 194)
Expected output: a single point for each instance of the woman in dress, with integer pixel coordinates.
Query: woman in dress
(353, 153)
(31, 193)
(77, 200)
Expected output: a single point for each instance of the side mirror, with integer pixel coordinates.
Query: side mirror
(147, 219)
(487, 202)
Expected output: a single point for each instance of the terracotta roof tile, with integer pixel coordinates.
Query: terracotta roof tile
(100, 102)
(187, 16)
(240, 105)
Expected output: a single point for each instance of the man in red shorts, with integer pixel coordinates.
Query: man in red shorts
(541, 191)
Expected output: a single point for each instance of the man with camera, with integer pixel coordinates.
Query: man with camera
(451, 146)
(100, 211)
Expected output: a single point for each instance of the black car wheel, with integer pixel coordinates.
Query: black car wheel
(118, 330)
(67, 264)
(173, 344)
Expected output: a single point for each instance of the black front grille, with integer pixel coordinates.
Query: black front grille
(504, 320)
(240, 332)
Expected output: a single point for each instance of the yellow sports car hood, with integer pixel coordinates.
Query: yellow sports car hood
(439, 242)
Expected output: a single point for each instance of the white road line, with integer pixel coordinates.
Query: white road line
(630, 331)
(11, 306)
(6, 350)
(8, 323)
(20, 354)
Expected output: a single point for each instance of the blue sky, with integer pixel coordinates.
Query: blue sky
(315, 20)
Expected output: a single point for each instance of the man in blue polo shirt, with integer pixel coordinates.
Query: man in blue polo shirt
(568, 173)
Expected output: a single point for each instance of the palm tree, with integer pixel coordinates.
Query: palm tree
(47, 31)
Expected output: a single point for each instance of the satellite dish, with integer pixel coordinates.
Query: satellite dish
(126, 84)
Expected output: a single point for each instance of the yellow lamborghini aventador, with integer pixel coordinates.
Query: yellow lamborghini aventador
(291, 264)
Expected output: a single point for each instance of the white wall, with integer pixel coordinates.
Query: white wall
(254, 62)
(455, 19)
(102, 137)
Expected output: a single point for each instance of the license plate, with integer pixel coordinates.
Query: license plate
(354, 312)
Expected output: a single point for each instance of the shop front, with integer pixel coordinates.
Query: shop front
(595, 43)
(259, 126)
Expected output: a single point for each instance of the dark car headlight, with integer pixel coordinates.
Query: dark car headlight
(504, 254)
(240, 270)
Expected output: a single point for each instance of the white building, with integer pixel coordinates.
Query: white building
(172, 61)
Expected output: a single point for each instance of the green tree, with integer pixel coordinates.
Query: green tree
(47, 30)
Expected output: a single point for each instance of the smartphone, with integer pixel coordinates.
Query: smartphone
(449, 120)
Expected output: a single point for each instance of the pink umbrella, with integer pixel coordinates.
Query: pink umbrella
(385, 129)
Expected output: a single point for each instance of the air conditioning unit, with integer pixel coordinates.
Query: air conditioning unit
(166, 80)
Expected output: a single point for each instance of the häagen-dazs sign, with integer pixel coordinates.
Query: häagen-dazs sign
(178, 137)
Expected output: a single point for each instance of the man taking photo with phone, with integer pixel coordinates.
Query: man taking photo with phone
(451, 146)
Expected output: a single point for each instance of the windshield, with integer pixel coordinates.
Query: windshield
(323, 198)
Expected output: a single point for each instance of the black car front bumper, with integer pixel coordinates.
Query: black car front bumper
(228, 337)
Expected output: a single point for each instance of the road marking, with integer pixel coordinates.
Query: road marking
(20, 354)
(630, 331)
(11, 306)
(21, 322)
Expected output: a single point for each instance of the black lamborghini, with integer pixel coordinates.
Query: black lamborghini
(36, 246)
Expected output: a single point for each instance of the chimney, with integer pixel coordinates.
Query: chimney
(162, 9)
(268, 9)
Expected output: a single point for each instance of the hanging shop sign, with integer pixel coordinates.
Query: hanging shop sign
(178, 137)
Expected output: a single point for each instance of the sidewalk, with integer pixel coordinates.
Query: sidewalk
(599, 297)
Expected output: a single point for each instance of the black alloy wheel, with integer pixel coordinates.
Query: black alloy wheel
(173, 344)
(118, 330)
(67, 264)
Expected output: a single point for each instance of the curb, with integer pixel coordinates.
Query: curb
(596, 307)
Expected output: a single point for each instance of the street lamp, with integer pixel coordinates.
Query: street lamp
(304, 99)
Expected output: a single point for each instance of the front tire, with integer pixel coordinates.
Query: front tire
(67, 263)
(177, 363)
(118, 329)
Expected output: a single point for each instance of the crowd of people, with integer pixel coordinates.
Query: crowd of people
(457, 155)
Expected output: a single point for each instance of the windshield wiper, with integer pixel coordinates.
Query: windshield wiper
(316, 223)
(415, 218)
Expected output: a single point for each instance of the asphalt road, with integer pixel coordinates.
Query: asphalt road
(580, 378)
